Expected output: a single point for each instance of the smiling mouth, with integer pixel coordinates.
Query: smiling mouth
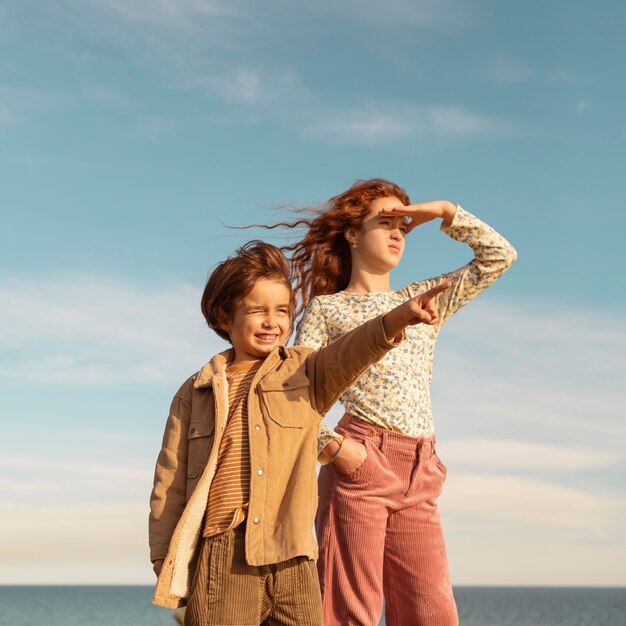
(266, 337)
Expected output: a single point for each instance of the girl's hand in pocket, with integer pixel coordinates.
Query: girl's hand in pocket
(351, 457)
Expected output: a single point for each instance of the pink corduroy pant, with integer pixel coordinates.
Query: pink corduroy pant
(379, 534)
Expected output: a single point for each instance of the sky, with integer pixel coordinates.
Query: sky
(132, 132)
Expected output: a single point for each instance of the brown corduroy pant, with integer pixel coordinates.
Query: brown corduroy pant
(226, 591)
(379, 533)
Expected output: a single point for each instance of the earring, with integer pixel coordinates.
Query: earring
(355, 244)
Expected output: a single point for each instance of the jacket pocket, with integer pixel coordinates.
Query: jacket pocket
(199, 443)
(286, 400)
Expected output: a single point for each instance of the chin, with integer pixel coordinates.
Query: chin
(386, 265)
(266, 349)
(395, 259)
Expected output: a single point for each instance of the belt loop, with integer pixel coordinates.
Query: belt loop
(383, 441)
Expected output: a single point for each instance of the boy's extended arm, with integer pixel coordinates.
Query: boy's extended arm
(168, 498)
(333, 368)
(312, 332)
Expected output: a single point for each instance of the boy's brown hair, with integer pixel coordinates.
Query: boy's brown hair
(233, 279)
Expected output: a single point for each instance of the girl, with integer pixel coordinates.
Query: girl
(377, 522)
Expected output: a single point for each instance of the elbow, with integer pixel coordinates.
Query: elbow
(511, 255)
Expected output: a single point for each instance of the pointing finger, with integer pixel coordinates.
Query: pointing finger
(427, 296)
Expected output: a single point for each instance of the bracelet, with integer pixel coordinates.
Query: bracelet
(334, 456)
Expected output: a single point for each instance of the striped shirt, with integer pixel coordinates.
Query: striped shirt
(230, 490)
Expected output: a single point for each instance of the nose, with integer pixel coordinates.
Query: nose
(269, 321)
(396, 233)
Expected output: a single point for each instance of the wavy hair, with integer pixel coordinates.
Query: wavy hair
(321, 262)
(233, 279)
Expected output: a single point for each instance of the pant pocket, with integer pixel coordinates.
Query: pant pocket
(439, 463)
(218, 556)
(355, 475)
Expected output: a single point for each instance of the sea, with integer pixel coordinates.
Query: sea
(478, 606)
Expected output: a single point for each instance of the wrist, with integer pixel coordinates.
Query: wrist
(331, 447)
(337, 451)
(448, 211)
(395, 321)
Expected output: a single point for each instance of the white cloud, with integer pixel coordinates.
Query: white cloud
(168, 14)
(401, 14)
(74, 538)
(523, 559)
(189, 15)
(204, 46)
(6, 117)
(243, 84)
(94, 331)
(510, 70)
(381, 123)
(534, 372)
(107, 96)
(155, 128)
(20, 464)
(581, 107)
(16, 102)
(522, 502)
(498, 454)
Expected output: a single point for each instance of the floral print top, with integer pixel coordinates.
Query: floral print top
(395, 392)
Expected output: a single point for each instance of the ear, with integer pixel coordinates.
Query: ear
(226, 325)
(350, 235)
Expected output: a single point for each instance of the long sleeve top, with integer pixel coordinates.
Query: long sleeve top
(395, 392)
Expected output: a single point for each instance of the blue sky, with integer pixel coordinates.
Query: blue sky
(129, 129)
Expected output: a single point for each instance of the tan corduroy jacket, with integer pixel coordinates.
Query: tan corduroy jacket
(291, 391)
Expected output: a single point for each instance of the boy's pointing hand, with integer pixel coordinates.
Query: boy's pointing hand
(423, 306)
(418, 310)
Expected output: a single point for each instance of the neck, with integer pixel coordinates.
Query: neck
(243, 360)
(368, 281)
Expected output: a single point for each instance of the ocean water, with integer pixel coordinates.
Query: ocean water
(478, 606)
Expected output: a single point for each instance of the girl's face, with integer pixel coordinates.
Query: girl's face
(380, 239)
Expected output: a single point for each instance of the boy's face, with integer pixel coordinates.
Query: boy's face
(260, 321)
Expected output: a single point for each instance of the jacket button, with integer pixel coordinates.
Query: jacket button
(285, 384)
(256, 520)
(192, 431)
(259, 472)
(257, 427)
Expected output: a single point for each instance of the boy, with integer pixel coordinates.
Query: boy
(235, 489)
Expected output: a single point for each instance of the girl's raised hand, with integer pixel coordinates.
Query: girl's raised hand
(422, 212)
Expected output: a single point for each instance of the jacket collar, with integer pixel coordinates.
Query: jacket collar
(217, 365)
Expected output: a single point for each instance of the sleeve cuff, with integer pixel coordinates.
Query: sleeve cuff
(322, 457)
(386, 342)
(458, 220)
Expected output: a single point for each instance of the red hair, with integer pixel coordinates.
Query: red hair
(320, 261)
